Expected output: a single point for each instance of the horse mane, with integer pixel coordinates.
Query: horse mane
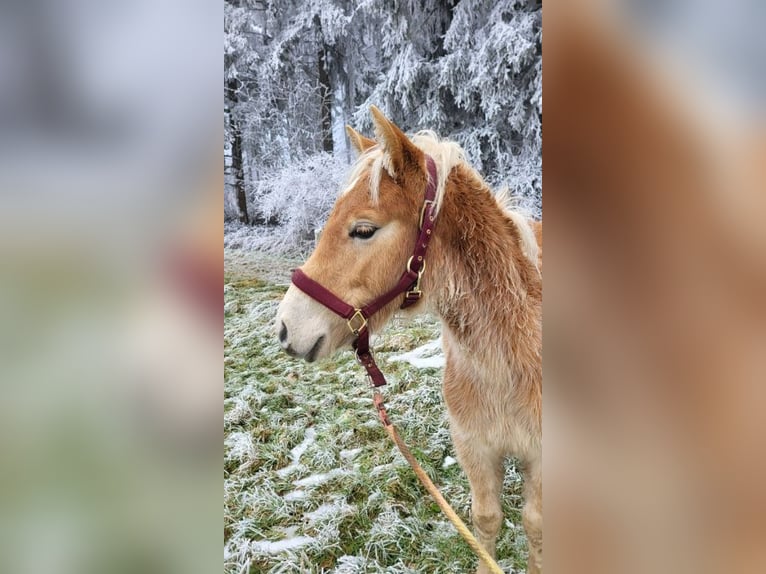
(447, 155)
(511, 206)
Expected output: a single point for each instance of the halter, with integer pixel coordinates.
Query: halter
(409, 284)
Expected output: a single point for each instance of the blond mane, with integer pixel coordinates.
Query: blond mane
(447, 155)
(509, 203)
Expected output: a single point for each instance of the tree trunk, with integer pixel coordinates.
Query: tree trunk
(325, 93)
(237, 169)
(237, 165)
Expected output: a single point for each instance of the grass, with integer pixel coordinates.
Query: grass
(311, 481)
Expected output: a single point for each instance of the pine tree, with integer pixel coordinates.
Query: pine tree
(297, 70)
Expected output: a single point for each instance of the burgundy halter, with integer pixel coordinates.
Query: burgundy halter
(409, 284)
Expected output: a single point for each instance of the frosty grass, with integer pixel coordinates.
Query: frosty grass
(311, 481)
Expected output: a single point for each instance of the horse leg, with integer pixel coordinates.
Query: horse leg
(485, 474)
(532, 516)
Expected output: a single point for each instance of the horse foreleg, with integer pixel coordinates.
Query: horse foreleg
(485, 474)
(532, 516)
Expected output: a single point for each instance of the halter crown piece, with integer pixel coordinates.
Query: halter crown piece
(409, 284)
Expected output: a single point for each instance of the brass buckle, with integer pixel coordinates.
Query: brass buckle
(423, 212)
(415, 291)
(357, 315)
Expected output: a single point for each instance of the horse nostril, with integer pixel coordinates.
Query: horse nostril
(283, 333)
(313, 352)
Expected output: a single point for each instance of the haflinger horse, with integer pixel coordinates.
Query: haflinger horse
(483, 279)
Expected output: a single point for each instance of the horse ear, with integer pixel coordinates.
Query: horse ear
(360, 143)
(400, 152)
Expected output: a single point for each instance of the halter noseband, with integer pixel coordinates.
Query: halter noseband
(409, 284)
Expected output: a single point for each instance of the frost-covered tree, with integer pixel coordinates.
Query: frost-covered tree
(471, 71)
(298, 70)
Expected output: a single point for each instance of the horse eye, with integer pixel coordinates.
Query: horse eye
(364, 231)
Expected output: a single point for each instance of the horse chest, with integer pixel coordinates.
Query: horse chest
(483, 409)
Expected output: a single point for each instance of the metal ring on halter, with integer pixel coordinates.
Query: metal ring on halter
(409, 268)
(357, 315)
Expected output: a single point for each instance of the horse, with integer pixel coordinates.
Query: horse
(483, 280)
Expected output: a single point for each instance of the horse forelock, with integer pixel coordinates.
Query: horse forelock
(445, 153)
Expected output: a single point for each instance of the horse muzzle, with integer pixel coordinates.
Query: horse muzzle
(304, 328)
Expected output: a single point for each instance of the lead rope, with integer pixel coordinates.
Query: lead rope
(431, 488)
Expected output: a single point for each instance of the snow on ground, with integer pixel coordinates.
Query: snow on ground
(269, 547)
(350, 564)
(350, 453)
(297, 452)
(317, 479)
(428, 356)
(294, 495)
(239, 413)
(329, 510)
(240, 447)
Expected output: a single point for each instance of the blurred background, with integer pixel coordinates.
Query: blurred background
(110, 285)
(654, 152)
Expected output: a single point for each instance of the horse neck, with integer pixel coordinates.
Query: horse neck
(486, 291)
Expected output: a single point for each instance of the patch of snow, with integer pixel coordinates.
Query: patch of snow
(428, 356)
(239, 413)
(436, 362)
(295, 495)
(350, 564)
(289, 469)
(317, 479)
(448, 462)
(313, 480)
(240, 446)
(374, 497)
(349, 453)
(269, 547)
(297, 452)
(333, 509)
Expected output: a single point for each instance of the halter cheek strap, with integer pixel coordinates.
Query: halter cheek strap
(409, 284)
